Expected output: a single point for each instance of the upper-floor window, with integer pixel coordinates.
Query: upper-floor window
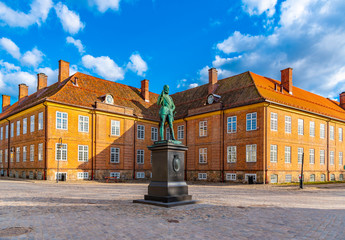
(61, 120)
(83, 153)
(114, 155)
(340, 133)
(300, 155)
(18, 154)
(202, 155)
(300, 127)
(140, 156)
(202, 128)
(32, 153)
(6, 131)
(273, 153)
(232, 124)
(24, 153)
(61, 152)
(154, 134)
(83, 124)
(1, 133)
(0, 156)
(274, 122)
(331, 132)
(12, 129)
(331, 157)
(25, 125)
(32, 123)
(18, 128)
(232, 155)
(322, 130)
(287, 124)
(115, 128)
(311, 156)
(322, 157)
(312, 129)
(251, 153)
(251, 121)
(141, 132)
(340, 158)
(40, 121)
(180, 132)
(287, 154)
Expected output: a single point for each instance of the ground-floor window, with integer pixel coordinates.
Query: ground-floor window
(274, 178)
(332, 177)
(323, 177)
(231, 176)
(39, 175)
(83, 175)
(115, 174)
(23, 174)
(140, 175)
(62, 176)
(341, 177)
(250, 175)
(312, 178)
(288, 178)
(202, 176)
(17, 174)
(31, 175)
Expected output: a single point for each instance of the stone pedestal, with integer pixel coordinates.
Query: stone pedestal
(168, 187)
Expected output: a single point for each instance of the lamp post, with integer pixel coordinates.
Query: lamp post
(59, 147)
(301, 179)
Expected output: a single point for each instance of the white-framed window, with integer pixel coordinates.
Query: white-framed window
(24, 153)
(141, 132)
(83, 123)
(202, 176)
(6, 155)
(311, 156)
(25, 125)
(251, 121)
(18, 154)
(115, 174)
(331, 132)
(40, 121)
(32, 123)
(312, 129)
(274, 178)
(83, 153)
(61, 154)
(180, 132)
(32, 153)
(154, 134)
(251, 153)
(332, 177)
(12, 129)
(250, 175)
(300, 155)
(340, 133)
(83, 175)
(322, 157)
(140, 174)
(300, 127)
(312, 178)
(232, 154)
(61, 120)
(1, 133)
(18, 128)
(40, 151)
(1, 156)
(287, 154)
(273, 153)
(114, 155)
(202, 155)
(115, 128)
(274, 122)
(340, 158)
(231, 176)
(323, 177)
(288, 178)
(167, 134)
(140, 156)
(6, 131)
(341, 177)
(322, 130)
(61, 176)
(331, 157)
(202, 128)
(232, 124)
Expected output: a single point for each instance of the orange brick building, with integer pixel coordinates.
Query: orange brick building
(244, 125)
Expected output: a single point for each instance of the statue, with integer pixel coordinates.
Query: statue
(166, 113)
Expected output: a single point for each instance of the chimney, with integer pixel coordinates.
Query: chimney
(145, 90)
(212, 80)
(23, 91)
(63, 70)
(342, 100)
(286, 79)
(6, 102)
(41, 81)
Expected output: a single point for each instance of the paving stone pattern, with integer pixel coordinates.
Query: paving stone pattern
(91, 210)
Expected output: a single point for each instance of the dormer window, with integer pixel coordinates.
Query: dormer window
(109, 99)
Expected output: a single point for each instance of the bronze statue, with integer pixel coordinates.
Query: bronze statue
(166, 113)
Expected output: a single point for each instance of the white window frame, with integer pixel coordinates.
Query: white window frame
(83, 153)
(18, 154)
(323, 177)
(114, 155)
(60, 174)
(251, 121)
(12, 129)
(300, 126)
(287, 154)
(251, 153)
(62, 120)
(331, 158)
(40, 152)
(232, 124)
(6, 155)
(167, 134)
(322, 131)
(312, 179)
(83, 124)
(274, 121)
(340, 158)
(140, 132)
(6, 131)
(273, 153)
(18, 128)
(231, 154)
(25, 151)
(322, 157)
(32, 123)
(32, 153)
(0, 156)
(202, 128)
(115, 175)
(154, 134)
(62, 150)
(231, 177)
(202, 155)
(274, 178)
(25, 125)
(83, 175)
(331, 132)
(312, 129)
(40, 121)
(180, 132)
(311, 156)
(140, 156)
(288, 178)
(250, 174)
(1, 133)
(300, 152)
(140, 175)
(202, 176)
(115, 128)
(332, 177)
(340, 133)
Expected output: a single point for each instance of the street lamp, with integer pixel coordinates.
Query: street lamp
(59, 148)
(301, 178)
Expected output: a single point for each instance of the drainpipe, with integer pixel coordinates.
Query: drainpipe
(134, 149)
(94, 162)
(222, 145)
(92, 144)
(328, 150)
(45, 140)
(8, 147)
(264, 160)
(186, 155)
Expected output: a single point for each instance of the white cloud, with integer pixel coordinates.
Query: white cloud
(8, 67)
(203, 73)
(104, 66)
(10, 47)
(181, 83)
(137, 65)
(239, 43)
(52, 74)
(77, 43)
(38, 13)
(193, 85)
(33, 57)
(70, 20)
(104, 5)
(219, 61)
(257, 7)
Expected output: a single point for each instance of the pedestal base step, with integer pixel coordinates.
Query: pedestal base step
(165, 204)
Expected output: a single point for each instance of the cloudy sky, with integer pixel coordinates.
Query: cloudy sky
(173, 42)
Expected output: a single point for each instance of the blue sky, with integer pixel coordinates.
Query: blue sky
(173, 42)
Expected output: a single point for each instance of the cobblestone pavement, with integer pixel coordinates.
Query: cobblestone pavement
(46, 210)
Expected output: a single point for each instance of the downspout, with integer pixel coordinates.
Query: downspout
(328, 150)
(186, 155)
(222, 145)
(8, 147)
(92, 144)
(265, 146)
(45, 140)
(134, 149)
(94, 162)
